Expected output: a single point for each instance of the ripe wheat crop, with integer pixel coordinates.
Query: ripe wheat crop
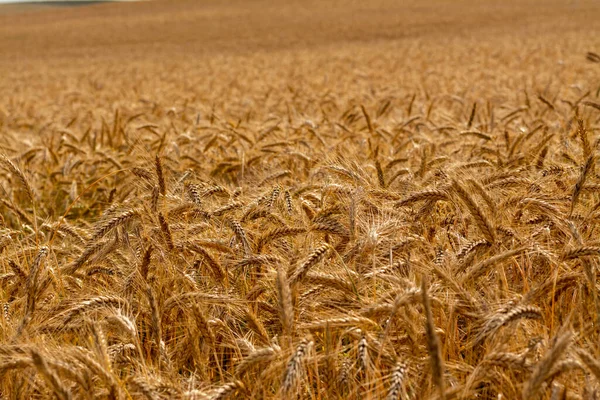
(358, 206)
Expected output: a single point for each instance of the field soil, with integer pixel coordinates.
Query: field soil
(300, 199)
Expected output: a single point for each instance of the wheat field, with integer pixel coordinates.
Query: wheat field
(300, 200)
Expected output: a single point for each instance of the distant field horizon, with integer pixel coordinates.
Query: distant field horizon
(12, 7)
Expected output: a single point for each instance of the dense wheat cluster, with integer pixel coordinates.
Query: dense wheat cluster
(368, 216)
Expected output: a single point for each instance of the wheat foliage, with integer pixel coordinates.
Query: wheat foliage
(297, 200)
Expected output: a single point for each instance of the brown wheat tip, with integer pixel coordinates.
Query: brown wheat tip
(293, 368)
(585, 171)
(592, 57)
(481, 219)
(581, 252)
(397, 381)
(50, 376)
(590, 362)
(257, 357)
(433, 343)
(317, 255)
(92, 304)
(496, 321)
(592, 104)
(340, 322)
(362, 353)
(427, 195)
(12, 168)
(483, 267)
(227, 390)
(166, 231)
(541, 371)
(112, 223)
(286, 308)
(240, 234)
(160, 175)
